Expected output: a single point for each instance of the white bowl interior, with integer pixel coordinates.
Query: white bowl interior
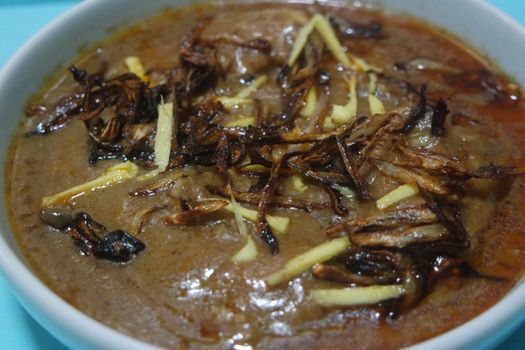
(90, 21)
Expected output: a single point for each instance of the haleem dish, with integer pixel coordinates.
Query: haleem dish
(274, 176)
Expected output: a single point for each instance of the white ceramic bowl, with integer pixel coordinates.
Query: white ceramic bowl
(483, 26)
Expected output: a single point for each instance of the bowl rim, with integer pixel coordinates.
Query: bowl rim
(72, 326)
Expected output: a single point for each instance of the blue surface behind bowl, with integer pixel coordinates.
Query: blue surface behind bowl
(19, 19)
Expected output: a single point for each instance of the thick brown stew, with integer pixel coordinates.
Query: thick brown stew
(274, 176)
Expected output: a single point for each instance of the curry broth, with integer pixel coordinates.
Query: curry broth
(183, 291)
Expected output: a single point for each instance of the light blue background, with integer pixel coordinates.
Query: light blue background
(19, 19)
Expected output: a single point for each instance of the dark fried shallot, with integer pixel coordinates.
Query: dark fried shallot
(337, 273)
(399, 238)
(160, 185)
(132, 103)
(255, 199)
(439, 115)
(336, 201)
(419, 215)
(358, 181)
(93, 238)
(203, 208)
(140, 219)
(438, 164)
(410, 246)
(63, 112)
(265, 232)
(448, 214)
(418, 112)
(425, 181)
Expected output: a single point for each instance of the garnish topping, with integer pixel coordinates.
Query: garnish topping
(344, 114)
(306, 260)
(249, 251)
(356, 295)
(135, 66)
(92, 237)
(300, 151)
(112, 176)
(375, 104)
(277, 223)
(322, 25)
(397, 195)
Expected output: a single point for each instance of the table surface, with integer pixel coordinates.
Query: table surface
(19, 19)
